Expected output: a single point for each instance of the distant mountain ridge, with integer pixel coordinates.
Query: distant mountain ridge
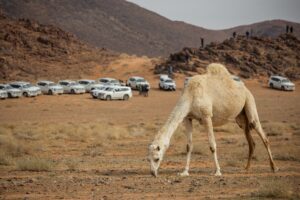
(125, 27)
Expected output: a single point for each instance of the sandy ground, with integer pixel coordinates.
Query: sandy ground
(98, 149)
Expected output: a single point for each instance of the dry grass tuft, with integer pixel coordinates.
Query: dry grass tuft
(276, 128)
(72, 165)
(276, 190)
(34, 164)
(201, 149)
(5, 159)
(11, 147)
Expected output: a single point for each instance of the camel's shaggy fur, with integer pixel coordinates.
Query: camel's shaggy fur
(213, 99)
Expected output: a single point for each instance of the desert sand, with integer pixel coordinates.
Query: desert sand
(76, 147)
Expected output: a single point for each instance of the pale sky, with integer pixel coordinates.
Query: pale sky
(222, 14)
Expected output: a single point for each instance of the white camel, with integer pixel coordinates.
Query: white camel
(213, 99)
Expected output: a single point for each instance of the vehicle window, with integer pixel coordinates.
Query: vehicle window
(52, 84)
(15, 86)
(169, 81)
(2, 87)
(42, 84)
(103, 80)
(63, 83)
(275, 79)
(83, 82)
(285, 80)
(131, 79)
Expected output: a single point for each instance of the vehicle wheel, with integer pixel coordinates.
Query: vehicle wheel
(125, 97)
(25, 94)
(72, 91)
(9, 95)
(108, 98)
(271, 85)
(50, 92)
(282, 88)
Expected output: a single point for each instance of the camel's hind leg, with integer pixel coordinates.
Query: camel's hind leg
(254, 123)
(189, 147)
(242, 121)
(212, 142)
(261, 133)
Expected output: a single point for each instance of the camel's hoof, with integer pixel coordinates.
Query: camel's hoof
(218, 173)
(184, 174)
(275, 169)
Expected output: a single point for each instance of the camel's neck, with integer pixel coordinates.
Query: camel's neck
(180, 111)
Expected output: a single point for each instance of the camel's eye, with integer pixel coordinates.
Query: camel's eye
(156, 160)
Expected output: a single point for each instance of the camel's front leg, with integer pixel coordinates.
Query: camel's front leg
(189, 147)
(212, 143)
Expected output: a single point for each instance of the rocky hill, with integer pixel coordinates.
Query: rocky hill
(125, 27)
(247, 57)
(30, 51)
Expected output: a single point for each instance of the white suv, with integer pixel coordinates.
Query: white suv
(135, 81)
(87, 84)
(71, 87)
(11, 92)
(166, 83)
(49, 87)
(280, 82)
(27, 89)
(3, 94)
(108, 81)
(116, 92)
(97, 90)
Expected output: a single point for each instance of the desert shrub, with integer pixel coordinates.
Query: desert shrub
(34, 164)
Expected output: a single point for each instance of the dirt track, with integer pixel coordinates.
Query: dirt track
(98, 149)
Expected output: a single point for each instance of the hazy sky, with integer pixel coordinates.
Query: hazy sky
(221, 14)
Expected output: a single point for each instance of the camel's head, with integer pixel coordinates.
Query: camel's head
(155, 157)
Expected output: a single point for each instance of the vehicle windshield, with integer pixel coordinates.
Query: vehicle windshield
(52, 84)
(114, 81)
(140, 80)
(168, 81)
(285, 80)
(8, 87)
(73, 83)
(27, 86)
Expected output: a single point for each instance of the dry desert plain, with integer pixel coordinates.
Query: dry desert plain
(76, 147)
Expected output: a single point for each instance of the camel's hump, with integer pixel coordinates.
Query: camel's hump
(217, 69)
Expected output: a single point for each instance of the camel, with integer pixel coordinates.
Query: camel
(213, 99)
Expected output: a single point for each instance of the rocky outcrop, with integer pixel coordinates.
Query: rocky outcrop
(247, 57)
